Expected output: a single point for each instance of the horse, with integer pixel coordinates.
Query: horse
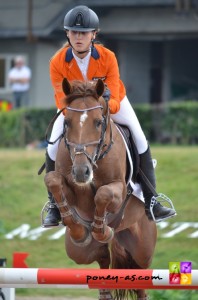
(105, 222)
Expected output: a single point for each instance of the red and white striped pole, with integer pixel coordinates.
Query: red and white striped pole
(92, 278)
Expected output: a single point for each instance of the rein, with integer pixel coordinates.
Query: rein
(49, 127)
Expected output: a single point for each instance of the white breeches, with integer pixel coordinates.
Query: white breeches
(56, 131)
(125, 116)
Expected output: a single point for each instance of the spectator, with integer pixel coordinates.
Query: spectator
(19, 77)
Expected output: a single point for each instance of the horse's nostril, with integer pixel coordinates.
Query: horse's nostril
(87, 172)
(73, 172)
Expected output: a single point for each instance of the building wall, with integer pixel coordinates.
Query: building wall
(184, 69)
(179, 69)
(41, 89)
(134, 63)
(134, 31)
(166, 89)
(132, 56)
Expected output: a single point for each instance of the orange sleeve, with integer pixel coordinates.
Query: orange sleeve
(114, 83)
(56, 77)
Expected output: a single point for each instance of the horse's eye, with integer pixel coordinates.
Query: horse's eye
(98, 123)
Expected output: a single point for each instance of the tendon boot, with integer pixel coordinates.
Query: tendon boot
(154, 210)
(53, 215)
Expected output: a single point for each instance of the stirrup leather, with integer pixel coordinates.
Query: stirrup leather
(160, 198)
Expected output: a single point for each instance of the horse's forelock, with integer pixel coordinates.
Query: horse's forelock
(81, 90)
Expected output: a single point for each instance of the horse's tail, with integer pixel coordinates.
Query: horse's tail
(121, 259)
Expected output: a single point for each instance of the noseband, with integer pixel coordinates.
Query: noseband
(81, 148)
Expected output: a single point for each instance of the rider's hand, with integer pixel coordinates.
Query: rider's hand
(107, 94)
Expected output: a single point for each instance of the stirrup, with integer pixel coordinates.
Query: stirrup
(163, 198)
(44, 210)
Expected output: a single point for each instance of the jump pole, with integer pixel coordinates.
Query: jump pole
(92, 278)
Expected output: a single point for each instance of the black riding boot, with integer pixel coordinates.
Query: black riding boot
(160, 212)
(53, 215)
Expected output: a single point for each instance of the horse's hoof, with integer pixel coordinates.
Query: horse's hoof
(106, 237)
(83, 242)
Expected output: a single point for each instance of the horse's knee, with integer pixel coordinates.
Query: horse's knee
(108, 198)
(103, 196)
(53, 181)
(145, 262)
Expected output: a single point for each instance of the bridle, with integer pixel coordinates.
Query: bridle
(100, 144)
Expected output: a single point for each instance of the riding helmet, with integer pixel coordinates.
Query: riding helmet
(81, 18)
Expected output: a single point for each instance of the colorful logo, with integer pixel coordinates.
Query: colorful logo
(180, 272)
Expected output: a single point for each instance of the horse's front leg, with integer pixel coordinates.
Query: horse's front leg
(107, 199)
(56, 185)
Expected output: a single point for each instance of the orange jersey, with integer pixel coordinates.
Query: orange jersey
(103, 64)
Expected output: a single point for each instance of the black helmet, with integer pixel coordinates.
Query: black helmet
(81, 18)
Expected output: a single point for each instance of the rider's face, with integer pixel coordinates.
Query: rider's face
(80, 41)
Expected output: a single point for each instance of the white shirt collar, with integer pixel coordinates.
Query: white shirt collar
(82, 60)
(83, 63)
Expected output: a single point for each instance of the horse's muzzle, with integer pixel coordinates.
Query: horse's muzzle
(82, 174)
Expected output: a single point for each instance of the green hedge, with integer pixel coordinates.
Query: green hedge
(22, 126)
(173, 123)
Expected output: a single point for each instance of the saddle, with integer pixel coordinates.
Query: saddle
(133, 152)
(114, 219)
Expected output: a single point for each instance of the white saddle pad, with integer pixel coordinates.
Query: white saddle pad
(137, 190)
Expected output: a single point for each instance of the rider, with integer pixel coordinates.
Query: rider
(81, 59)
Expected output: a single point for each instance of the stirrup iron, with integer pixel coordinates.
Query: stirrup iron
(161, 198)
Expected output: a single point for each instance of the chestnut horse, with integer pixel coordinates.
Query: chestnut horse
(105, 222)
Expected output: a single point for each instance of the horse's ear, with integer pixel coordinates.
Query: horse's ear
(67, 88)
(100, 87)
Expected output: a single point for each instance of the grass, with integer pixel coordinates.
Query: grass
(22, 195)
